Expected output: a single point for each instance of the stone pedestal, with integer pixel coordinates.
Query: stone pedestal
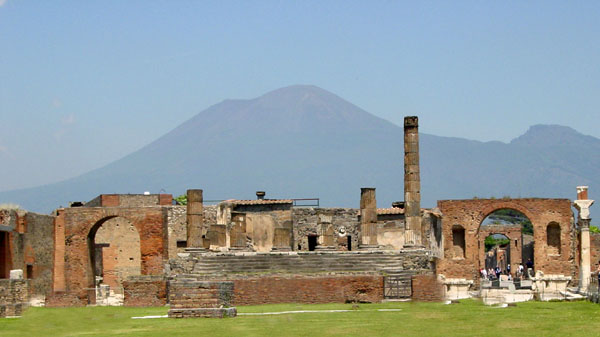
(550, 287)
(456, 289)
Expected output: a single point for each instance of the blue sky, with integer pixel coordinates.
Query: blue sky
(83, 83)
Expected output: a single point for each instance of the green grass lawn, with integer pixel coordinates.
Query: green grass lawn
(468, 318)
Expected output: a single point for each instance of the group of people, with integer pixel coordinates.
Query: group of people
(522, 271)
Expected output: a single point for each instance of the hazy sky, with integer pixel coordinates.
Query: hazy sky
(83, 83)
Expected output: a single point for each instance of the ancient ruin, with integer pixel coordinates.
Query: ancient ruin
(133, 250)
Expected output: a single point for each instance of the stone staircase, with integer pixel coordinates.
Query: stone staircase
(217, 265)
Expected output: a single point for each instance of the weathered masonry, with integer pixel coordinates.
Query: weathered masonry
(144, 250)
(553, 228)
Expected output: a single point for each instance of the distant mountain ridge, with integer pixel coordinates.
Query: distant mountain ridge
(303, 141)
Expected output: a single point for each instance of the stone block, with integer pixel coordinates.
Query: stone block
(16, 274)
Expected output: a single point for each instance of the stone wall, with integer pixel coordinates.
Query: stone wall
(145, 291)
(31, 248)
(13, 297)
(119, 243)
(259, 223)
(308, 289)
(177, 230)
(469, 214)
(130, 200)
(344, 222)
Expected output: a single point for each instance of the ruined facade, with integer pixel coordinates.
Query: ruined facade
(127, 249)
(464, 234)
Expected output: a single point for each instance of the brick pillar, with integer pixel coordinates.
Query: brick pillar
(58, 282)
(583, 221)
(195, 218)
(368, 218)
(412, 182)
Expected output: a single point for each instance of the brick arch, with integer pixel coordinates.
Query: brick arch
(502, 204)
(512, 233)
(81, 222)
(99, 223)
(471, 213)
(92, 240)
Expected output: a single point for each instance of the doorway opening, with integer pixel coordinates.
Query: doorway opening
(312, 242)
(5, 262)
(115, 252)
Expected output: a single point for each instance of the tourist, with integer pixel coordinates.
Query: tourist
(521, 269)
(529, 270)
(598, 274)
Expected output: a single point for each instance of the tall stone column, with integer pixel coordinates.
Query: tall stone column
(582, 204)
(412, 183)
(195, 218)
(368, 219)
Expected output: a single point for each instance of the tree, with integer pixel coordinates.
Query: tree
(181, 200)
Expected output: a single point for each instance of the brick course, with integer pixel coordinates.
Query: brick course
(190, 298)
(307, 289)
(145, 292)
(426, 288)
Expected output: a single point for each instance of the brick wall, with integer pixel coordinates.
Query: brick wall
(426, 288)
(76, 275)
(130, 200)
(190, 298)
(145, 291)
(470, 214)
(13, 297)
(30, 243)
(306, 289)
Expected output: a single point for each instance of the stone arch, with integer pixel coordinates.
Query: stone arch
(553, 233)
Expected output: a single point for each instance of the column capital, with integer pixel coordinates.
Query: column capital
(583, 206)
